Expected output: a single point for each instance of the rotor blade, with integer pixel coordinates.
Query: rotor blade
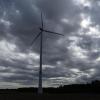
(42, 20)
(35, 39)
(53, 32)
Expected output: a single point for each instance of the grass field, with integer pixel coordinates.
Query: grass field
(32, 96)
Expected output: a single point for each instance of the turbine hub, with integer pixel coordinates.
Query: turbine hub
(41, 29)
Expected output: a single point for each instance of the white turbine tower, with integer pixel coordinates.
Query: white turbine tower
(42, 29)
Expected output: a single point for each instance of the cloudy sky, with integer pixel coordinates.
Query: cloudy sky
(74, 58)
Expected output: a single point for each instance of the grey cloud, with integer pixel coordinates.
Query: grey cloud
(61, 16)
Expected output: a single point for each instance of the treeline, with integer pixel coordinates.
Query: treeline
(93, 87)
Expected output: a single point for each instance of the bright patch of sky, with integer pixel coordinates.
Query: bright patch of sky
(87, 26)
(86, 22)
(6, 23)
(64, 20)
(8, 52)
(84, 3)
(76, 50)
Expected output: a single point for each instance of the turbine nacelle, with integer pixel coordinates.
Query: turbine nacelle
(41, 29)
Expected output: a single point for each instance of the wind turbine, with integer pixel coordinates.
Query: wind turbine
(42, 29)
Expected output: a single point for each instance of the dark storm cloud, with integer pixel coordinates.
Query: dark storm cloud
(26, 17)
